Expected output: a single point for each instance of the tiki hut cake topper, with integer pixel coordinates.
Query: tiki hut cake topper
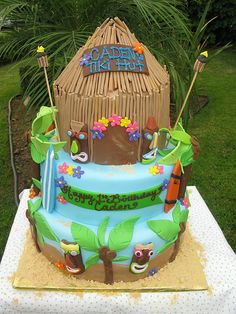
(110, 89)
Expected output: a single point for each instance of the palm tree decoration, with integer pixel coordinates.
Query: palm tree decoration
(170, 231)
(119, 238)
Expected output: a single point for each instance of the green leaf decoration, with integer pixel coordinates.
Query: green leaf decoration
(183, 215)
(187, 156)
(40, 237)
(121, 258)
(165, 229)
(84, 237)
(165, 246)
(121, 235)
(74, 147)
(36, 156)
(42, 145)
(181, 136)
(102, 230)
(176, 213)
(37, 183)
(182, 152)
(33, 207)
(44, 228)
(93, 259)
(43, 120)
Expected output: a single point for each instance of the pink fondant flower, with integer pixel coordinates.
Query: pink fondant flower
(99, 126)
(156, 169)
(132, 127)
(114, 119)
(62, 168)
(61, 199)
(184, 202)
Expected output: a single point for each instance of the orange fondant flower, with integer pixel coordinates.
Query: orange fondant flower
(138, 48)
(40, 194)
(32, 193)
(59, 265)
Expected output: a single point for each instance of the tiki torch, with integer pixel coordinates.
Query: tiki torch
(198, 67)
(43, 63)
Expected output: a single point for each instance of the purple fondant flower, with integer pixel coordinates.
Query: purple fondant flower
(97, 134)
(134, 136)
(61, 182)
(78, 172)
(84, 60)
(153, 271)
(165, 184)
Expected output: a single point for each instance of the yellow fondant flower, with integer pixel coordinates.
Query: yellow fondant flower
(154, 170)
(69, 170)
(104, 121)
(125, 122)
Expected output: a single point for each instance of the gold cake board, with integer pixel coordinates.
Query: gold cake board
(184, 274)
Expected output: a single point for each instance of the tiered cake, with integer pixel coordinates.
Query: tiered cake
(108, 199)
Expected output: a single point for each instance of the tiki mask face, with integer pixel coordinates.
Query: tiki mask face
(73, 258)
(141, 257)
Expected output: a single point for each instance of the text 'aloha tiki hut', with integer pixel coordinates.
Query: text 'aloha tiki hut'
(107, 94)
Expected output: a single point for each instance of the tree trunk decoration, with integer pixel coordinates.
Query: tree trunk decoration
(107, 256)
(33, 230)
(177, 242)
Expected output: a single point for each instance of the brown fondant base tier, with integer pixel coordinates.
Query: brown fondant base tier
(120, 272)
(185, 273)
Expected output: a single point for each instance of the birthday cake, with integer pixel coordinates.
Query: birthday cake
(108, 201)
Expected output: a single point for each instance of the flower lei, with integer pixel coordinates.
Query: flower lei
(101, 125)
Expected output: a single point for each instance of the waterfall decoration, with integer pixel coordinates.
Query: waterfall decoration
(48, 182)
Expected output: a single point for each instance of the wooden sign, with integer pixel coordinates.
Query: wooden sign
(113, 58)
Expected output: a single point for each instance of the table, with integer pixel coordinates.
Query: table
(220, 272)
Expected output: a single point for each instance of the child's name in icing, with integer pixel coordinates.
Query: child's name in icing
(114, 58)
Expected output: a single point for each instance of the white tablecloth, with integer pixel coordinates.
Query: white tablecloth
(220, 271)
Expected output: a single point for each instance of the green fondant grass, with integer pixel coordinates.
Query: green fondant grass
(215, 172)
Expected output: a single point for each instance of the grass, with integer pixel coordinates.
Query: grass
(214, 173)
(9, 86)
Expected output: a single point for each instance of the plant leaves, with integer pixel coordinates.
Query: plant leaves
(33, 207)
(37, 183)
(85, 237)
(43, 120)
(74, 147)
(181, 136)
(165, 229)
(93, 259)
(102, 231)
(183, 215)
(121, 235)
(37, 157)
(40, 237)
(121, 258)
(44, 228)
(176, 213)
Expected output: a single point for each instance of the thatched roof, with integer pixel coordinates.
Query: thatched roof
(112, 31)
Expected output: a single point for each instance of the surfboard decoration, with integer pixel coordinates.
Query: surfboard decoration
(150, 156)
(48, 182)
(173, 188)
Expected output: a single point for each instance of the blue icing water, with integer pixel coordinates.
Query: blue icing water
(109, 179)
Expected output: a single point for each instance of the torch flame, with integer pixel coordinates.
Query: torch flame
(40, 49)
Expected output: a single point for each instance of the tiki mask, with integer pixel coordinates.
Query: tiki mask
(141, 257)
(73, 259)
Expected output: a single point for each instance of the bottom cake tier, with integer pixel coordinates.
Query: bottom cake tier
(78, 223)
